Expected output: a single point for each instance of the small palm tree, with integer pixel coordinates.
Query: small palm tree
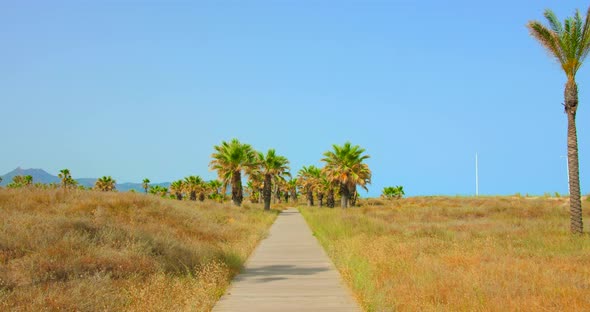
(176, 188)
(344, 166)
(325, 187)
(292, 189)
(193, 186)
(158, 190)
(21, 181)
(66, 179)
(146, 184)
(271, 166)
(390, 192)
(230, 159)
(569, 43)
(215, 187)
(105, 184)
(306, 179)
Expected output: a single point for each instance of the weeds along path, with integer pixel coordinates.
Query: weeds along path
(288, 271)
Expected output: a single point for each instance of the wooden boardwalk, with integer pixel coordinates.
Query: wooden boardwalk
(288, 271)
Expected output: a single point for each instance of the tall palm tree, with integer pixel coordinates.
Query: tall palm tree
(569, 43)
(344, 166)
(306, 179)
(271, 166)
(230, 159)
(176, 188)
(105, 184)
(146, 184)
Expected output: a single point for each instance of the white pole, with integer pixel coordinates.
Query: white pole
(567, 168)
(476, 177)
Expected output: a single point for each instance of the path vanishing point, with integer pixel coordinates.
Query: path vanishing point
(288, 271)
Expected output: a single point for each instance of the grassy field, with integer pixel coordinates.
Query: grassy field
(459, 254)
(92, 251)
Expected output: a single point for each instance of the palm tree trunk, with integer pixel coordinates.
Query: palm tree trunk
(330, 200)
(321, 199)
(236, 188)
(309, 197)
(294, 195)
(353, 197)
(571, 106)
(345, 195)
(267, 191)
(193, 195)
(278, 194)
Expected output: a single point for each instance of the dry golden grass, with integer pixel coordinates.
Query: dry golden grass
(459, 254)
(93, 251)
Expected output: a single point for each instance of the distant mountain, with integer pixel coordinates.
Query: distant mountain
(41, 176)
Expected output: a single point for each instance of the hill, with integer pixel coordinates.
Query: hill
(95, 251)
(39, 176)
(42, 176)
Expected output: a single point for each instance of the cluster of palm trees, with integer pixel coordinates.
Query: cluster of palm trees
(569, 44)
(344, 170)
(191, 188)
(21, 181)
(266, 173)
(105, 184)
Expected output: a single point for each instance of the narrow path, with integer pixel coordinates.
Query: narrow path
(288, 271)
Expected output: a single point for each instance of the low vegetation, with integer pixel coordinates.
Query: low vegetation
(67, 249)
(393, 192)
(458, 254)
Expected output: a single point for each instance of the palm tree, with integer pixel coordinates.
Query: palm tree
(271, 166)
(325, 187)
(105, 184)
(146, 184)
(158, 190)
(194, 185)
(21, 181)
(344, 166)
(66, 179)
(229, 160)
(255, 185)
(306, 179)
(214, 186)
(176, 188)
(28, 180)
(569, 43)
(292, 188)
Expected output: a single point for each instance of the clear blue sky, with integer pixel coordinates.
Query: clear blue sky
(137, 89)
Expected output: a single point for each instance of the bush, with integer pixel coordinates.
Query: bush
(391, 192)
